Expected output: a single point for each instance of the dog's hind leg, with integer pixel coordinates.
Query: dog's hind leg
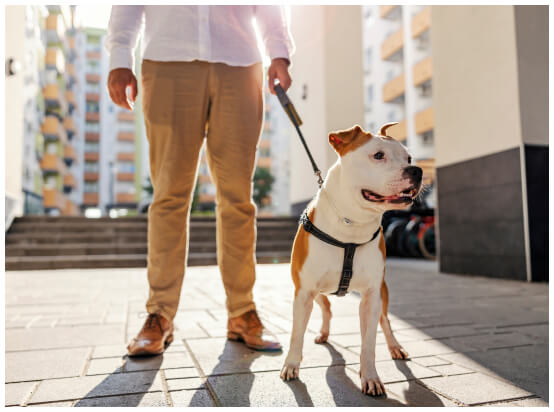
(396, 351)
(325, 305)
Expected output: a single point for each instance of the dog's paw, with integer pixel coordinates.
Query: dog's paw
(373, 386)
(290, 371)
(321, 338)
(398, 352)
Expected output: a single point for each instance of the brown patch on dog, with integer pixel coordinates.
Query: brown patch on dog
(349, 140)
(300, 252)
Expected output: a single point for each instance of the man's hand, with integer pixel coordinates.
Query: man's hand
(118, 81)
(279, 69)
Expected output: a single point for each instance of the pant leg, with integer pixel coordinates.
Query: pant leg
(235, 122)
(175, 104)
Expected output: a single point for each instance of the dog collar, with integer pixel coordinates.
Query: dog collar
(349, 250)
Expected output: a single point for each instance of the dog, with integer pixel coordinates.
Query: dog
(372, 174)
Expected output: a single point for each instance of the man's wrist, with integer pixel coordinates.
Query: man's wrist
(283, 59)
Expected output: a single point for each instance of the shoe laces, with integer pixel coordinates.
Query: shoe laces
(152, 317)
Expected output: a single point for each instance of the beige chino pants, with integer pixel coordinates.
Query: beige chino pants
(181, 100)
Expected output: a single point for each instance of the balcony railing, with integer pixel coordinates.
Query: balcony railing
(421, 21)
(93, 55)
(69, 181)
(424, 121)
(126, 136)
(69, 124)
(92, 137)
(394, 89)
(264, 162)
(51, 163)
(91, 176)
(52, 129)
(69, 153)
(423, 71)
(54, 59)
(126, 157)
(52, 199)
(125, 177)
(126, 116)
(90, 198)
(91, 156)
(92, 97)
(392, 44)
(386, 11)
(398, 131)
(71, 208)
(126, 198)
(206, 198)
(92, 78)
(51, 93)
(92, 117)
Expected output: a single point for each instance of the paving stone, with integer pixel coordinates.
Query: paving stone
(522, 403)
(503, 340)
(450, 369)
(63, 337)
(17, 392)
(154, 399)
(397, 370)
(339, 325)
(66, 404)
(97, 385)
(431, 361)
(104, 366)
(47, 364)
(434, 347)
(186, 383)
(127, 364)
(112, 351)
(437, 332)
(181, 373)
(194, 398)
(475, 388)
(413, 393)
(381, 352)
(353, 339)
(218, 356)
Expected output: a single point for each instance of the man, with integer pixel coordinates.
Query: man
(201, 77)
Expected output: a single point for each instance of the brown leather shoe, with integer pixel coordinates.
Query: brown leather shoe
(248, 328)
(153, 338)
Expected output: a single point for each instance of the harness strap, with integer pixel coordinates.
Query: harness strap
(349, 250)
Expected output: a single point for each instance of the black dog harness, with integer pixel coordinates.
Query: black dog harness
(349, 249)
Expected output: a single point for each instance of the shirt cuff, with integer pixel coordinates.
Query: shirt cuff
(278, 50)
(121, 58)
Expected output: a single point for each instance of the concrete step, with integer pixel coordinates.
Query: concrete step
(119, 261)
(140, 218)
(79, 249)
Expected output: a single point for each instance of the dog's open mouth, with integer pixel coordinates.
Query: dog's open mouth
(406, 196)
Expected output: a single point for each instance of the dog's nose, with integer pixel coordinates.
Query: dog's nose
(414, 173)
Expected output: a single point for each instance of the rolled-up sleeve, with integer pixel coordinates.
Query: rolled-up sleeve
(275, 31)
(123, 29)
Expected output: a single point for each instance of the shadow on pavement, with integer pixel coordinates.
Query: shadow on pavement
(132, 376)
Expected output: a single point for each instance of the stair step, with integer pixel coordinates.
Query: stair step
(119, 261)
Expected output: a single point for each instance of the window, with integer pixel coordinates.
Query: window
(368, 57)
(93, 107)
(91, 187)
(369, 94)
(391, 117)
(92, 127)
(126, 167)
(91, 167)
(390, 75)
(91, 146)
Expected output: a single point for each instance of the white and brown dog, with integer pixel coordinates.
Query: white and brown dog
(372, 174)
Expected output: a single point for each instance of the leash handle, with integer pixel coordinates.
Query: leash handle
(297, 122)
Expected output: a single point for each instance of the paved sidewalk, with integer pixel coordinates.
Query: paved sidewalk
(471, 340)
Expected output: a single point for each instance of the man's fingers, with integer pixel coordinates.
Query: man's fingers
(134, 89)
(271, 81)
(119, 98)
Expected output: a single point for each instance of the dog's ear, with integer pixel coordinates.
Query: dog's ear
(383, 131)
(343, 139)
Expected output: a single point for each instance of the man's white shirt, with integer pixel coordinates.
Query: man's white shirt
(223, 34)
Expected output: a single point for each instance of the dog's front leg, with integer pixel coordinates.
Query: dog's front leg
(302, 309)
(370, 310)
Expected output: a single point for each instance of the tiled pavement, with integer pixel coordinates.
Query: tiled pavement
(472, 341)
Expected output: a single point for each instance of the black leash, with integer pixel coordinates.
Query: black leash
(296, 121)
(349, 250)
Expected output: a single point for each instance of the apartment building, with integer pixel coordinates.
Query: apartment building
(398, 77)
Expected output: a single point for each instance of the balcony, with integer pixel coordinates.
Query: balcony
(70, 97)
(91, 176)
(424, 121)
(125, 177)
(126, 117)
(92, 97)
(69, 153)
(70, 69)
(92, 78)
(71, 42)
(69, 181)
(126, 198)
(421, 22)
(90, 198)
(388, 11)
(54, 59)
(93, 55)
(126, 157)
(51, 93)
(52, 129)
(52, 199)
(92, 117)
(428, 167)
(392, 45)
(423, 71)
(206, 198)
(394, 89)
(264, 162)
(69, 125)
(264, 144)
(70, 209)
(54, 28)
(51, 163)
(126, 136)
(92, 137)
(91, 156)
(398, 131)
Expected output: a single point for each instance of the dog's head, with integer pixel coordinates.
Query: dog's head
(376, 169)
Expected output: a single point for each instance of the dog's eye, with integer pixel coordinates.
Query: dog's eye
(379, 156)
(409, 160)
